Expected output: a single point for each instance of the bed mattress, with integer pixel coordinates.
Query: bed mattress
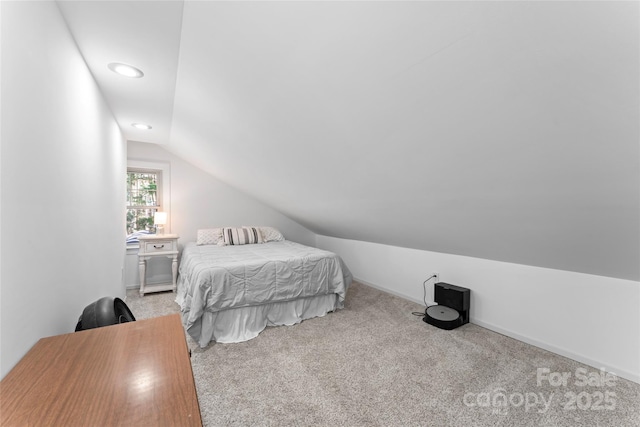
(230, 293)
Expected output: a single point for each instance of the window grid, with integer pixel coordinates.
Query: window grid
(143, 198)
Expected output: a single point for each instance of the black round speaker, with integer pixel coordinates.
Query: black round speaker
(442, 317)
(104, 312)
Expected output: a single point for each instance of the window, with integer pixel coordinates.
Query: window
(144, 198)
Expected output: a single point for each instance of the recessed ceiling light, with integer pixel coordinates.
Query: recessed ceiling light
(125, 70)
(141, 126)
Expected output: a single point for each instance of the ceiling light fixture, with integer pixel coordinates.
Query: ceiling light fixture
(125, 70)
(141, 126)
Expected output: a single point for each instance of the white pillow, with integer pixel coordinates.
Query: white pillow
(241, 235)
(270, 234)
(209, 236)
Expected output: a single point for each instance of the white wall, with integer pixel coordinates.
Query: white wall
(434, 125)
(63, 194)
(199, 200)
(592, 319)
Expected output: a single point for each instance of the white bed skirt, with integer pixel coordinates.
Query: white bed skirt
(244, 323)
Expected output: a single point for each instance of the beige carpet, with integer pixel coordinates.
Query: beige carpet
(375, 364)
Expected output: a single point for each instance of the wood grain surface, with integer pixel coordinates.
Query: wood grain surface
(134, 374)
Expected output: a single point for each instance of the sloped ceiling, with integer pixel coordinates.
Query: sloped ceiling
(500, 130)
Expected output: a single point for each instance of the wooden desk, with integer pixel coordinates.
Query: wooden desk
(134, 374)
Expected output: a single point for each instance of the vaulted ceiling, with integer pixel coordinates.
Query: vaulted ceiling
(500, 130)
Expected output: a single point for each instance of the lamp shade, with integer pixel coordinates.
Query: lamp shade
(160, 218)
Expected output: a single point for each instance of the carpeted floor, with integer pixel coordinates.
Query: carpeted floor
(376, 364)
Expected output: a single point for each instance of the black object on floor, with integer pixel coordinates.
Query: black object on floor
(452, 309)
(104, 312)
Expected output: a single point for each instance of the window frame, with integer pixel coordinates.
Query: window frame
(163, 182)
(158, 207)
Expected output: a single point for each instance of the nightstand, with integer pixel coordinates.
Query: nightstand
(154, 245)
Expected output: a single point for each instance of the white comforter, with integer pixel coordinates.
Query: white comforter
(217, 278)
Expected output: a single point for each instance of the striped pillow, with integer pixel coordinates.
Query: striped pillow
(269, 234)
(241, 236)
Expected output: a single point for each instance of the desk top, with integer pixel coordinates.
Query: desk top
(135, 373)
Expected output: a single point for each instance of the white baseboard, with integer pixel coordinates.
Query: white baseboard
(537, 343)
(622, 373)
(389, 291)
(559, 311)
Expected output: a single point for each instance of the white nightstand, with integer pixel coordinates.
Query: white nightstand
(153, 245)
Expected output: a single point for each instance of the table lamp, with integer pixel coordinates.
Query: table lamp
(160, 220)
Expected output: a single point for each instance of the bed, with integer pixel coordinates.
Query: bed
(230, 293)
